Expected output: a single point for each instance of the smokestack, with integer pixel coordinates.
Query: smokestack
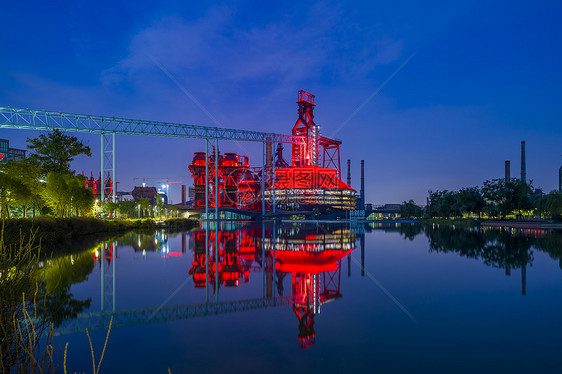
(507, 170)
(362, 207)
(560, 179)
(349, 172)
(183, 194)
(523, 163)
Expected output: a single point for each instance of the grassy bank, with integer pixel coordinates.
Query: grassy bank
(50, 229)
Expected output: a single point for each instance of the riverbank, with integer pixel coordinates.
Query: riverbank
(50, 230)
(471, 222)
(532, 225)
(468, 222)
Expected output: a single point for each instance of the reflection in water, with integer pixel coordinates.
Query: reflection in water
(226, 256)
(310, 254)
(503, 248)
(305, 259)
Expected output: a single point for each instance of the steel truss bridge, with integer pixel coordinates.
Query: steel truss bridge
(100, 320)
(108, 127)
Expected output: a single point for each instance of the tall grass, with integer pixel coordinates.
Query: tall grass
(26, 331)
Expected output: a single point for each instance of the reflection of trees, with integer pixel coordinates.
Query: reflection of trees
(58, 276)
(34, 297)
(551, 244)
(147, 241)
(410, 231)
(496, 247)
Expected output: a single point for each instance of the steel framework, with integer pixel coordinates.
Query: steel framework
(108, 127)
(17, 118)
(331, 157)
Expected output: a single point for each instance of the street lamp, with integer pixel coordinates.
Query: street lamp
(138, 206)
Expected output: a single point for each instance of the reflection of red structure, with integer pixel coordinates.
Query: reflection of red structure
(106, 254)
(235, 254)
(316, 279)
(312, 258)
(313, 179)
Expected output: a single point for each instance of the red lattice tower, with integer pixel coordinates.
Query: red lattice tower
(309, 153)
(331, 154)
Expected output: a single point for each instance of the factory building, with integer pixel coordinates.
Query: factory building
(311, 182)
(7, 153)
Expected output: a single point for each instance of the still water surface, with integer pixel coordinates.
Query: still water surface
(329, 298)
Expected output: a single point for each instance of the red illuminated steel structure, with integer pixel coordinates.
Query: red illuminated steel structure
(95, 185)
(233, 172)
(331, 154)
(309, 183)
(307, 154)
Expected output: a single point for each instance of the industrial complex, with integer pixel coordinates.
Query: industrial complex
(307, 183)
(311, 181)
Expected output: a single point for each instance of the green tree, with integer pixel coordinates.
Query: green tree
(12, 191)
(55, 151)
(505, 197)
(471, 201)
(65, 193)
(82, 199)
(144, 203)
(410, 210)
(30, 176)
(442, 204)
(126, 208)
(552, 204)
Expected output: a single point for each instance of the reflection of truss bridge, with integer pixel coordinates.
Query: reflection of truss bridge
(100, 320)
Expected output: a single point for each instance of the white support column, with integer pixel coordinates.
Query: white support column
(274, 149)
(206, 260)
(216, 178)
(206, 178)
(102, 275)
(102, 168)
(108, 165)
(217, 258)
(263, 176)
(114, 260)
(273, 247)
(263, 264)
(114, 197)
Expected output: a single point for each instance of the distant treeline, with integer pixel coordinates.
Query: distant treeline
(497, 198)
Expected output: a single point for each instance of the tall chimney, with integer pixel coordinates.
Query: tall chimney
(362, 206)
(560, 180)
(349, 172)
(183, 194)
(523, 163)
(507, 170)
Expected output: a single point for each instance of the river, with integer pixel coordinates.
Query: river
(316, 298)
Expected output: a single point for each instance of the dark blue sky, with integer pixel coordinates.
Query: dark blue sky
(480, 78)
